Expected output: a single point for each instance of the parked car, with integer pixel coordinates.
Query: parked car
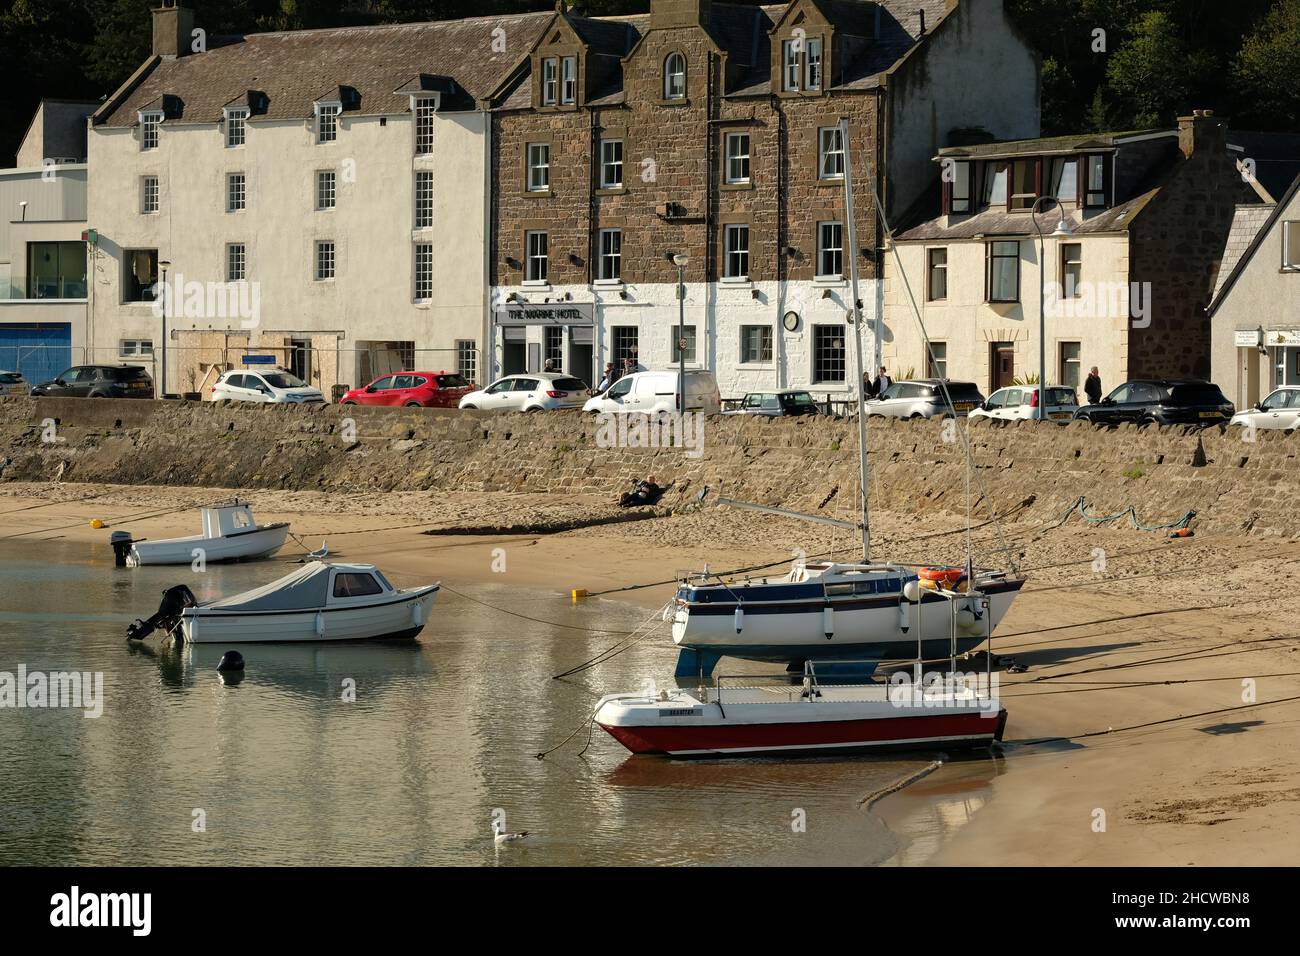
(1020, 402)
(267, 386)
(776, 404)
(924, 398)
(533, 392)
(650, 393)
(12, 383)
(411, 390)
(99, 381)
(1161, 402)
(1280, 410)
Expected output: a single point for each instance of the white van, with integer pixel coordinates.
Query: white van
(649, 393)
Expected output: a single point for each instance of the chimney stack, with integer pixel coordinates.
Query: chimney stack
(172, 27)
(1202, 132)
(666, 14)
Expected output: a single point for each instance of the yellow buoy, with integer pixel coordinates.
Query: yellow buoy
(578, 594)
(96, 524)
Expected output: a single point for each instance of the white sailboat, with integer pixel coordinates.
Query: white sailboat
(827, 610)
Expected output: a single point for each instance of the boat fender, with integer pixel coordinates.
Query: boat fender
(828, 621)
(912, 591)
(320, 623)
(417, 614)
(739, 619)
(231, 661)
(904, 616)
(966, 619)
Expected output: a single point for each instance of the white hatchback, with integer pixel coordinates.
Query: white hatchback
(1020, 402)
(531, 392)
(273, 386)
(1281, 410)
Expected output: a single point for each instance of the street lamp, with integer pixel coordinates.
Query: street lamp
(165, 264)
(1062, 230)
(680, 260)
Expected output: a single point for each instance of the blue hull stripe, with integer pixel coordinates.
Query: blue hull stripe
(847, 603)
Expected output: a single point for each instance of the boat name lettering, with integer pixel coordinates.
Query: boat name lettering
(678, 712)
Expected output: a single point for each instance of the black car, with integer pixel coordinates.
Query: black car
(776, 404)
(99, 381)
(1166, 401)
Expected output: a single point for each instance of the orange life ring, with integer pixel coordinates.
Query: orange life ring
(946, 576)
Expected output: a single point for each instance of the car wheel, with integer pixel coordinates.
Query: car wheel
(347, 403)
(535, 408)
(469, 408)
(414, 405)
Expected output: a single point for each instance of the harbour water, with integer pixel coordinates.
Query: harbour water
(184, 767)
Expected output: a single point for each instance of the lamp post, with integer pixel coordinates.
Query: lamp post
(1062, 229)
(165, 264)
(680, 260)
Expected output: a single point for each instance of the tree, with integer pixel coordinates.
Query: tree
(1151, 76)
(1266, 73)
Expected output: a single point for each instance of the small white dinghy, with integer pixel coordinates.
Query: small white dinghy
(229, 534)
(316, 602)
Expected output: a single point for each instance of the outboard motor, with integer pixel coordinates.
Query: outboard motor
(121, 543)
(175, 600)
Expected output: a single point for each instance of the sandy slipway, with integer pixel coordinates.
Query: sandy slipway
(1136, 645)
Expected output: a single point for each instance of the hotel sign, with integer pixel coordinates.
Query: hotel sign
(1282, 337)
(557, 313)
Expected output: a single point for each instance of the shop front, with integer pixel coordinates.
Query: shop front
(1266, 359)
(526, 337)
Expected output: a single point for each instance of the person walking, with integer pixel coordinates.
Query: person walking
(882, 382)
(1092, 386)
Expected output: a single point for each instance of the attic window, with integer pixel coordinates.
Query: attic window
(569, 79)
(675, 77)
(1096, 182)
(150, 124)
(550, 80)
(813, 64)
(327, 121)
(424, 108)
(1291, 245)
(790, 65)
(959, 195)
(235, 126)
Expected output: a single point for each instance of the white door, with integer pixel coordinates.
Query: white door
(496, 396)
(523, 394)
(618, 398)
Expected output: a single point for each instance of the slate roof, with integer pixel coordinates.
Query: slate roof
(1047, 145)
(1247, 221)
(999, 222)
(293, 68)
(1228, 276)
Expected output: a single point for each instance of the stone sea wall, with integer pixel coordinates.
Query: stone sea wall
(1235, 486)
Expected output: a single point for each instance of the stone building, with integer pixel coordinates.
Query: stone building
(709, 130)
(317, 196)
(1147, 215)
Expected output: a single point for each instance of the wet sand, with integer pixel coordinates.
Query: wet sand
(1132, 738)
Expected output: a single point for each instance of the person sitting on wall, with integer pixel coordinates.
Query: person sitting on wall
(646, 492)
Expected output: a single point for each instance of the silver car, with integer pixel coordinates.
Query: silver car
(924, 398)
(12, 383)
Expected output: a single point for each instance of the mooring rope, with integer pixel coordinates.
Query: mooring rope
(1081, 506)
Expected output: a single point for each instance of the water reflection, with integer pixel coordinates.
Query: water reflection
(374, 754)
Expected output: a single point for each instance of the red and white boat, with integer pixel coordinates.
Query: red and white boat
(802, 718)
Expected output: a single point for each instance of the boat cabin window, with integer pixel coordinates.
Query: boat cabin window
(355, 585)
(240, 519)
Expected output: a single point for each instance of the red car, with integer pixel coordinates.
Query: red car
(412, 390)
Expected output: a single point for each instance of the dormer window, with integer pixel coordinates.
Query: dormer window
(675, 77)
(790, 66)
(569, 79)
(813, 64)
(550, 80)
(1063, 182)
(150, 125)
(235, 127)
(1096, 182)
(960, 199)
(1024, 184)
(327, 121)
(424, 108)
(995, 185)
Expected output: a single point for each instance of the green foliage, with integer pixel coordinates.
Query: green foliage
(1022, 380)
(1267, 67)
(1133, 472)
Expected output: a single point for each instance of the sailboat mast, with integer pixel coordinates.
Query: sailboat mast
(855, 311)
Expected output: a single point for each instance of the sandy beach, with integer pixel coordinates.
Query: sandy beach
(1153, 724)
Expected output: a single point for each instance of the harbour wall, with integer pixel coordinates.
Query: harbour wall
(1234, 485)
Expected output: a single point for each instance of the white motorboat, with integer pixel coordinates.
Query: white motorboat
(229, 534)
(316, 602)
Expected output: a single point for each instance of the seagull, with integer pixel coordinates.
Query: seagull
(500, 836)
(323, 552)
